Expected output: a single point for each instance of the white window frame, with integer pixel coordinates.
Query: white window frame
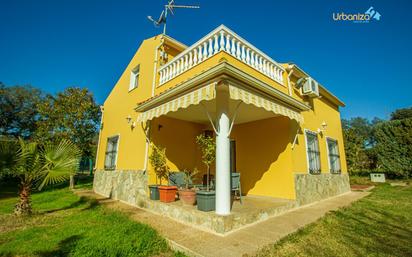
(134, 78)
(327, 150)
(117, 152)
(307, 152)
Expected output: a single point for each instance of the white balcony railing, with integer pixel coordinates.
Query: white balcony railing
(221, 39)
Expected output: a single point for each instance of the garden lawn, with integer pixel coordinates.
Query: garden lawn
(68, 225)
(378, 225)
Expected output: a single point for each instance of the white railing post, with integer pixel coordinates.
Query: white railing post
(222, 40)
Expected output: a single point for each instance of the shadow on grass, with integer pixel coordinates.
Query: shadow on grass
(9, 187)
(90, 204)
(376, 229)
(63, 248)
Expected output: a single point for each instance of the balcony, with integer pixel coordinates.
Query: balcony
(219, 40)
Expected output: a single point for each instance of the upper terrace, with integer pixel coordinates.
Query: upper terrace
(221, 45)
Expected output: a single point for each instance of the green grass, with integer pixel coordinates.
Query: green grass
(378, 225)
(65, 224)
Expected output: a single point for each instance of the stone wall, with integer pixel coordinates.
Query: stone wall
(126, 185)
(312, 188)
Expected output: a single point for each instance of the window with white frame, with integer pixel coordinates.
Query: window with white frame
(134, 78)
(312, 148)
(111, 152)
(334, 158)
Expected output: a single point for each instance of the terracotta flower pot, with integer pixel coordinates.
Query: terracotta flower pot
(167, 193)
(188, 196)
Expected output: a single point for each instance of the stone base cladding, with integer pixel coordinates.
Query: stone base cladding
(312, 188)
(126, 185)
(211, 222)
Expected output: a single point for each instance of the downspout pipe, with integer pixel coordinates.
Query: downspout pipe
(289, 85)
(100, 135)
(147, 136)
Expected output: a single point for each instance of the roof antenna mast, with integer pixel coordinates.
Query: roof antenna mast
(169, 7)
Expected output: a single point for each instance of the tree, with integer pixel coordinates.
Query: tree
(18, 110)
(394, 147)
(37, 166)
(208, 147)
(158, 161)
(73, 115)
(400, 114)
(359, 142)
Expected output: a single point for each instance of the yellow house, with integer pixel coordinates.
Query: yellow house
(274, 123)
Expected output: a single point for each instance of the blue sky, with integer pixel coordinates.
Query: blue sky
(88, 43)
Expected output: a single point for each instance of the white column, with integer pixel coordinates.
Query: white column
(223, 191)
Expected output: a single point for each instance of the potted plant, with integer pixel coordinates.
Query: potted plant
(188, 194)
(158, 162)
(206, 198)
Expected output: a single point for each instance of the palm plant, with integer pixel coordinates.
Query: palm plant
(37, 166)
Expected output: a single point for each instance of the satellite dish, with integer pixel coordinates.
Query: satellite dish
(162, 19)
(163, 16)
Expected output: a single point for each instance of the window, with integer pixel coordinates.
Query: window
(134, 78)
(111, 152)
(312, 148)
(334, 158)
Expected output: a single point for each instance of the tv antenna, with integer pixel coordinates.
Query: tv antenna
(169, 7)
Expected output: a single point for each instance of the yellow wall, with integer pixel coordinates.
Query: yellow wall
(178, 137)
(121, 103)
(322, 111)
(264, 158)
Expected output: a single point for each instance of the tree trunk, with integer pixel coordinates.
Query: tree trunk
(23, 207)
(71, 182)
(208, 178)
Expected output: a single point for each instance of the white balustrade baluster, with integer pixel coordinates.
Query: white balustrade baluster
(186, 62)
(248, 55)
(278, 74)
(233, 49)
(252, 59)
(243, 55)
(167, 74)
(181, 63)
(261, 63)
(281, 76)
(200, 54)
(222, 40)
(190, 59)
(238, 53)
(178, 71)
(204, 51)
(271, 70)
(174, 70)
(264, 70)
(216, 44)
(194, 57)
(210, 47)
(228, 43)
(160, 77)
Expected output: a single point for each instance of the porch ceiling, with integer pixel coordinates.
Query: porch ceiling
(197, 113)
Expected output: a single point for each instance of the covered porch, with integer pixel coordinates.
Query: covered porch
(253, 131)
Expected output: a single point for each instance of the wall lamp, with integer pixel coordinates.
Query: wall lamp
(323, 127)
